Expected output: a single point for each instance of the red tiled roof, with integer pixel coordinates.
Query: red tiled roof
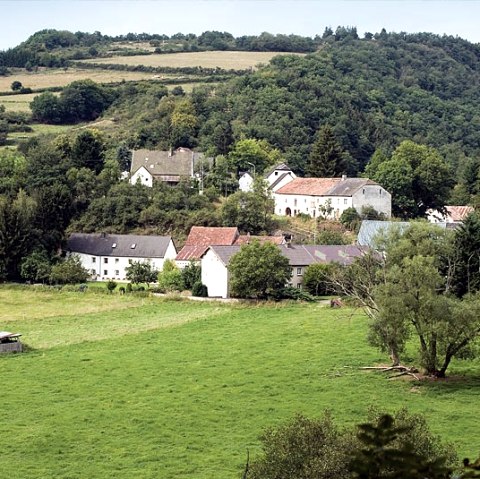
(458, 213)
(201, 237)
(191, 252)
(309, 186)
(209, 235)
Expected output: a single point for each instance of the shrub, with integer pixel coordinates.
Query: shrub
(199, 289)
(111, 285)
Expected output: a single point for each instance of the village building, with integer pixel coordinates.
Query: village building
(216, 259)
(275, 178)
(170, 167)
(106, 256)
(201, 238)
(330, 197)
(451, 214)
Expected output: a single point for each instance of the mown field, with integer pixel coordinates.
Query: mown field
(52, 77)
(125, 386)
(226, 60)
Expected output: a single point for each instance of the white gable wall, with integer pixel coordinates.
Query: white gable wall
(286, 179)
(245, 183)
(143, 175)
(215, 275)
(374, 196)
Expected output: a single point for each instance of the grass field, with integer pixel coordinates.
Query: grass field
(226, 60)
(46, 78)
(123, 386)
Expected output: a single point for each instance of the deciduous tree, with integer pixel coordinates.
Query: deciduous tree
(257, 270)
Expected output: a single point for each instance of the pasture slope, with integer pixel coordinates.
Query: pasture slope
(126, 386)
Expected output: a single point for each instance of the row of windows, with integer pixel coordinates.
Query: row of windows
(105, 260)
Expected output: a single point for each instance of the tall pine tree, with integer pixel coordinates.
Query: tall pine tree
(327, 158)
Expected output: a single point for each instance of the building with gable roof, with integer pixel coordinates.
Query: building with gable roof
(106, 256)
(330, 197)
(168, 166)
(451, 214)
(277, 177)
(201, 238)
(216, 259)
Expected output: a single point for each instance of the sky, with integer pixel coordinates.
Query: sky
(22, 18)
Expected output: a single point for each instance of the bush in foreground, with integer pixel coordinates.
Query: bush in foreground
(386, 447)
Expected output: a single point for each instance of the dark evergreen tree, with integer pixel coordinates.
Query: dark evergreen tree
(327, 158)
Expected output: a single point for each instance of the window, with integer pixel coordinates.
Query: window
(363, 191)
(105, 272)
(295, 202)
(117, 272)
(133, 246)
(94, 260)
(116, 260)
(114, 245)
(105, 260)
(345, 201)
(299, 271)
(299, 286)
(292, 271)
(93, 272)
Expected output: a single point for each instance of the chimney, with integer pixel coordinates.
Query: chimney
(344, 177)
(170, 153)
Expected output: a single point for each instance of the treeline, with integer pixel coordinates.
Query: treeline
(198, 70)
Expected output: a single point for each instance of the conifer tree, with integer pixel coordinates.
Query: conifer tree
(327, 158)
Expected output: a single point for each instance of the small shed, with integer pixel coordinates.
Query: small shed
(10, 342)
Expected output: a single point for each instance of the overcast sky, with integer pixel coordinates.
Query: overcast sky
(21, 18)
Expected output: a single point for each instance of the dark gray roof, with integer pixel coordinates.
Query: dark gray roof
(303, 255)
(280, 167)
(99, 244)
(225, 252)
(349, 186)
(277, 181)
(180, 162)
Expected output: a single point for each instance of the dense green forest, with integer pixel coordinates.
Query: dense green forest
(400, 108)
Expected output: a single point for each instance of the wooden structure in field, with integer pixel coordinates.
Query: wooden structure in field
(10, 342)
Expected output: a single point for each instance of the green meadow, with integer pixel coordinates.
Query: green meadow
(138, 387)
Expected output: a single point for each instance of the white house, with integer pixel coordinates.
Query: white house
(215, 262)
(106, 256)
(277, 177)
(168, 166)
(330, 197)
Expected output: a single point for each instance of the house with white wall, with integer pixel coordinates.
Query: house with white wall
(330, 197)
(215, 263)
(275, 178)
(201, 238)
(106, 256)
(167, 166)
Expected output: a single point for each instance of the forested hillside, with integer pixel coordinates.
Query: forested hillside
(374, 93)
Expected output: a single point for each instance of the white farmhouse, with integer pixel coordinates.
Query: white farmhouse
(215, 263)
(167, 166)
(330, 197)
(277, 177)
(106, 256)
